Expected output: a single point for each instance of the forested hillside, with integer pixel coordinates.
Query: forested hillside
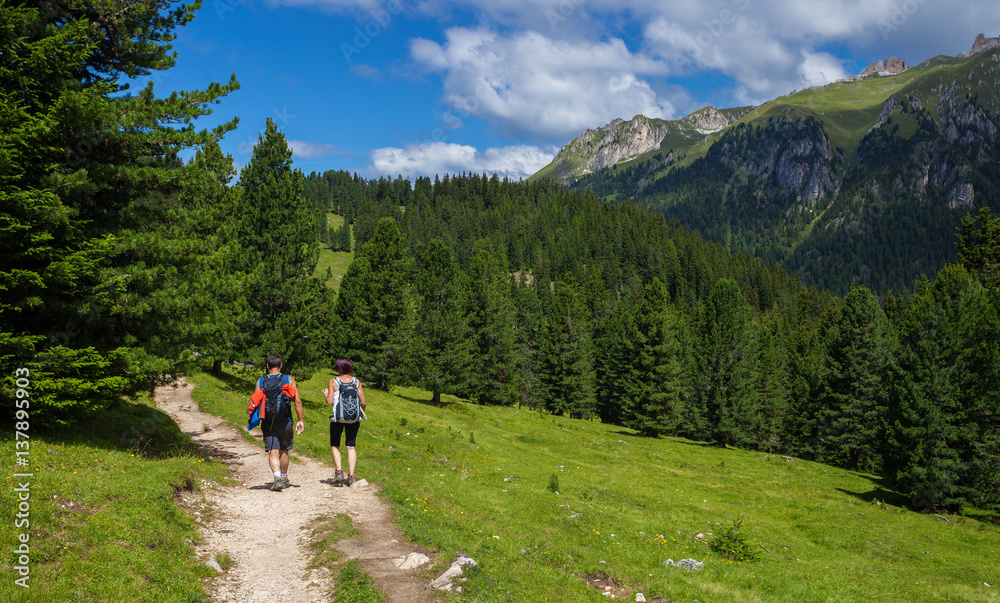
(514, 293)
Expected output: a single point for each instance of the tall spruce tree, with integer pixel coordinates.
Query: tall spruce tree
(491, 319)
(78, 150)
(567, 357)
(439, 350)
(944, 430)
(729, 379)
(275, 226)
(860, 348)
(373, 305)
(657, 383)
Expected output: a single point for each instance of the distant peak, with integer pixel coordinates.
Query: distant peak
(980, 44)
(887, 66)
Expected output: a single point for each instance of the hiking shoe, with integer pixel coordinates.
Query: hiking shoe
(277, 485)
(338, 478)
(350, 480)
(284, 482)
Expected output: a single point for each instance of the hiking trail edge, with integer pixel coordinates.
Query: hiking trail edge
(272, 563)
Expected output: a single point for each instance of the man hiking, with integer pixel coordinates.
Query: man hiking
(272, 401)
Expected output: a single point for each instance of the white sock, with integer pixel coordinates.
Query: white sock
(284, 475)
(277, 474)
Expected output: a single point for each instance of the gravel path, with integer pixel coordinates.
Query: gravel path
(263, 530)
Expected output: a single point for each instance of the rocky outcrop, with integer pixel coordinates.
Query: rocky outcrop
(604, 147)
(710, 120)
(980, 44)
(888, 66)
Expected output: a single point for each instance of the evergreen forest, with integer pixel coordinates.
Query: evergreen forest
(124, 263)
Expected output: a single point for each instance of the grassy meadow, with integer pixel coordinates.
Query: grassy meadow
(336, 262)
(548, 505)
(107, 517)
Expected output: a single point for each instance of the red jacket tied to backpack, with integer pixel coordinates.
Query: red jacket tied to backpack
(256, 407)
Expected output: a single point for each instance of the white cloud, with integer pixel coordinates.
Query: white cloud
(429, 159)
(310, 150)
(528, 85)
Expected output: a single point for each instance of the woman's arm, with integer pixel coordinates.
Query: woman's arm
(329, 391)
(361, 395)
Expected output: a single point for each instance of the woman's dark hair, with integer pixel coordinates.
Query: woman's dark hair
(344, 366)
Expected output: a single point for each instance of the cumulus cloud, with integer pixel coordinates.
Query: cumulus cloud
(529, 85)
(429, 159)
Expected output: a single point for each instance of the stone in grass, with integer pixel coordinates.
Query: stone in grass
(411, 561)
(688, 564)
(444, 581)
(212, 563)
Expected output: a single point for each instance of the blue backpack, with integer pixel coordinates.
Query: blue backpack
(348, 407)
(277, 404)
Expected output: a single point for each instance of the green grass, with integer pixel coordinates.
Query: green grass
(105, 524)
(336, 261)
(351, 585)
(476, 480)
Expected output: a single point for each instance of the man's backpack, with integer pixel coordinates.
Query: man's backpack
(277, 404)
(348, 407)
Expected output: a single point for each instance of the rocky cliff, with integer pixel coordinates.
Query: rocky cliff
(888, 66)
(980, 44)
(622, 140)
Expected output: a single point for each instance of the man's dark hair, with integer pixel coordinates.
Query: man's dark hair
(344, 366)
(274, 361)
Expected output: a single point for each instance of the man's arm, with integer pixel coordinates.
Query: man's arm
(300, 426)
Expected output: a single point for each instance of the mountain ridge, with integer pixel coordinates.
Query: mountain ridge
(861, 181)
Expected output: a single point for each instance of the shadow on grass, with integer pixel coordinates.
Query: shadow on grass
(137, 427)
(444, 404)
(882, 493)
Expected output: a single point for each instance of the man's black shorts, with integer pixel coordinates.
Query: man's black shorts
(279, 436)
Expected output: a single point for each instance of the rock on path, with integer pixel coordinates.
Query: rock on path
(263, 530)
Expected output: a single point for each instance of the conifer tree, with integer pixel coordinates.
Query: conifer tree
(567, 358)
(373, 305)
(944, 428)
(491, 319)
(728, 364)
(275, 226)
(528, 322)
(439, 350)
(78, 149)
(860, 348)
(657, 381)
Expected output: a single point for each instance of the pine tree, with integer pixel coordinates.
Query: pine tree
(275, 225)
(729, 379)
(860, 348)
(567, 358)
(944, 433)
(657, 383)
(373, 304)
(491, 319)
(528, 322)
(440, 344)
(79, 153)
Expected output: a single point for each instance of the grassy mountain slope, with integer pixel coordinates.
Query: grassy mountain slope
(555, 509)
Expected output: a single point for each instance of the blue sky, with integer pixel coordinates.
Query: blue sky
(390, 87)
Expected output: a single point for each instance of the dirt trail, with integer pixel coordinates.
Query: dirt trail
(262, 530)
